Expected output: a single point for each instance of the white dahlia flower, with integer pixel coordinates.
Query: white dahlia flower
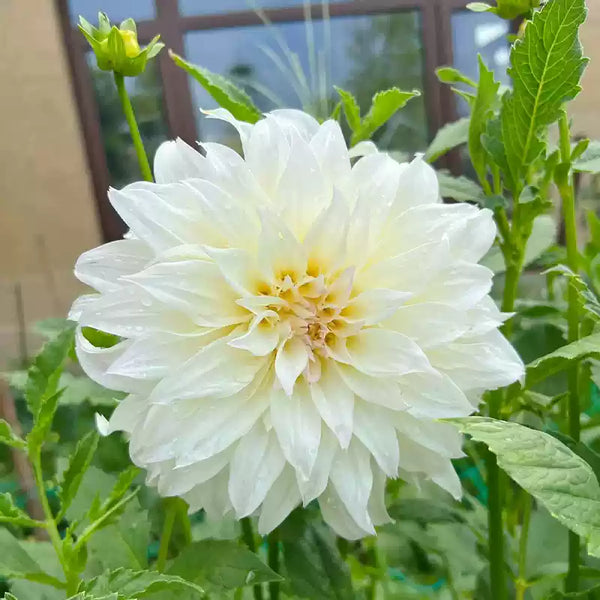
(292, 324)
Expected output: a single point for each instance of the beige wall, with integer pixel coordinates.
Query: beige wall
(47, 212)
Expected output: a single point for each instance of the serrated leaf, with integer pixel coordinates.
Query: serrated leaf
(589, 161)
(563, 482)
(79, 462)
(481, 111)
(588, 300)
(222, 564)
(37, 436)
(314, 566)
(137, 584)
(225, 93)
(11, 513)
(582, 595)
(543, 367)
(14, 561)
(547, 64)
(44, 373)
(121, 487)
(351, 109)
(9, 437)
(461, 189)
(383, 107)
(448, 137)
(452, 75)
(424, 511)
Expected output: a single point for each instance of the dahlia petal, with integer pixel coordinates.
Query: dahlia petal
(211, 496)
(374, 428)
(298, 426)
(330, 149)
(282, 498)
(244, 129)
(352, 478)
(336, 515)
(362, 149)
(373, 306)
(261, 339)
(442, 438)
(257, 462)
(176, 160)
(291, 360)
(194, 287)
(102, 267)
(237, 267)
(335, 403)
(80, 304)
(218, 370)
(303, 124)
(386, 353)
(377, 508)
(418, 185)
(127, 414)
(315, 485)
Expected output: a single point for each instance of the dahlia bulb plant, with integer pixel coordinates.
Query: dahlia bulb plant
(292, 325)
(292, 339)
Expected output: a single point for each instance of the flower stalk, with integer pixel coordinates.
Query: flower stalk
(171, 510)
(274, 586)
(248, 537)
(566, 186)
(133, 128)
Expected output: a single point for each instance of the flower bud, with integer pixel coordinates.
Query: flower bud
(117, 48)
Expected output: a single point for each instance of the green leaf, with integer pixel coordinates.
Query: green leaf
(9, 437)
(480, 7)
(79, 462)
(448, 137)
(452, 75)
(588, 300)
(582, 595)
(589, 161)
(11, 513)
(461, 189)
(582, 450)
(383, 107)
(351, 109)
(37, 436)
(424, 511)
(44, 373)
(511, 9)
(541, 86)
(554, 475)
(222, 564)
(481, 111)
(314, 566)
(543, 367)
(137, 584)
(14, 561)
(226, 94)
(121, 487)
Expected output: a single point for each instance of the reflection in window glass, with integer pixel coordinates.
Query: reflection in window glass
(146, 96)
(208, 7)
(117, 10)
(479, 33)
(297, 64)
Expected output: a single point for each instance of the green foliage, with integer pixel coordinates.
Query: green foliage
(41, 428)
(14, 560)
(221, 564)
(507, 9)
(383, 107)
(589, 161)
(127, 584)
(425, 512)
(9, 437)
(448, 137)
(452, 75)
(540, 87)
(461, 189)
(543, 466)
(45, 371)
(10, 513)
(226, 93)
(543, 367)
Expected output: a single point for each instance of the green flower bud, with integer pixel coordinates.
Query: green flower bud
(117, 48)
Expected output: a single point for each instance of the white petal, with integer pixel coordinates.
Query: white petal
(244, 129)
(373, 426)
(336, 515)
(377, 507)
(386, 353)
(218, 370)
(282, 498)
(352, 478)
(330, 149)
(300, 122)
(335, 402)
(291, 360)
(261, 339)
(418, 185)
(211, 496)
(127, 414)
(298, 426)
(257, 462)
(315, 485)
(441, 438)
(373, 306)
(102, 267)
(176, 160)
(362, 149)
(195, 287)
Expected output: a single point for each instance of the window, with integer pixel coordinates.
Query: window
(295, 59)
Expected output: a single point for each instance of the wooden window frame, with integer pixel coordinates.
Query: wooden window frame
(436, 32)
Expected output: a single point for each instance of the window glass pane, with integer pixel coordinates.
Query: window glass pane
(146, 96)
(482, 33)
(277, 67)
(117, 10)
(211, 7)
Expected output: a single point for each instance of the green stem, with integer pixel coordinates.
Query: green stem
(133, 128)
(165, 538)
(522, 584)
(248, 537)
(567, 191)
(273, 557)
